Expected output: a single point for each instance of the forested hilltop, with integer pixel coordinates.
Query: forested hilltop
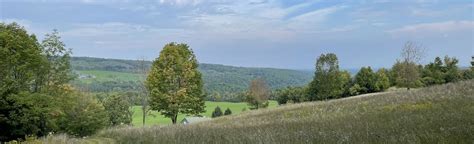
(220, 82)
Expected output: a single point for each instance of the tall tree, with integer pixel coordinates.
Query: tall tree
(21, 67)
(326, 83)
(258, 94)
(407, 69)
(58, 56)
(347, 82)
(383, 81)
(433, 72)
(174, 82)
(366, 79)
(451, 70)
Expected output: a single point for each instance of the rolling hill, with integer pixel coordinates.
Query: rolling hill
(103, 75)
(437, 114)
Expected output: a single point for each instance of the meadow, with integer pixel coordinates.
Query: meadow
(100, 75)
(154, 118)
(437, 114)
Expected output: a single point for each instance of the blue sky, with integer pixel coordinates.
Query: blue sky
(257, 33)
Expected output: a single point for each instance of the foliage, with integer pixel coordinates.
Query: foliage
(355, 89)
(258, 94)
(83, 115)
(174, 83)
(383, 81)
(451, 70)
(347, 82)
(21, 70)
(227, 112)
(367, 80)
(327, 82)
(407, 69)
(58, 57)
(438, 72)
(291, 95)
(118, 110)
(217, 112)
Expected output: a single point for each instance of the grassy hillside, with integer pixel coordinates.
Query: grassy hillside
(438, 114)
(217, 78)
(156, 119)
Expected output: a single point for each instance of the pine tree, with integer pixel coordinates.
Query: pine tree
(227, 112)
(217, 112)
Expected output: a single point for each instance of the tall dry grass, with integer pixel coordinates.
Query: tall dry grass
(438, 114)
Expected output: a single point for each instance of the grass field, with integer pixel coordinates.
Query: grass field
(438, 114)
(108, 76)
(156, 119)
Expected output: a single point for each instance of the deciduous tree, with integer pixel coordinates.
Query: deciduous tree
(408, 73)
(326, 83)
(366, 79)
(258, 94)
(174, 82)
(118, 110)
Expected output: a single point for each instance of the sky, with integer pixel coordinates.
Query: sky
(254, 33)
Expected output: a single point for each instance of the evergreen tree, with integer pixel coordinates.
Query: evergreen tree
(217, 112)
(451, 70)
(174, 82)
(433, 73)
(227, 112)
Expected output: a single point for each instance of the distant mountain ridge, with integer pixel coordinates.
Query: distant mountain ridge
(217, 77)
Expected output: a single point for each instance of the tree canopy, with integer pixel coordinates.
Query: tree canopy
(174, 82)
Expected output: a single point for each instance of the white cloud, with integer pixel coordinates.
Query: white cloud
(309, 21)
(438, 28)
(181, 2)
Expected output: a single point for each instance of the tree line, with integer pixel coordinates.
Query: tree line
(36, 97)
(330, 83)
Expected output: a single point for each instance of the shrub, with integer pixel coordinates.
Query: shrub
(227, 112)
(217, 112)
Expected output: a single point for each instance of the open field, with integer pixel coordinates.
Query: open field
(100, 75)
(438, 114)
(156, 119)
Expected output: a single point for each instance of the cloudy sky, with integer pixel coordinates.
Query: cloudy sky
(256, 33)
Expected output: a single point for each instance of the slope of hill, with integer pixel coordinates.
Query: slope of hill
(99, 72)
(438, 114)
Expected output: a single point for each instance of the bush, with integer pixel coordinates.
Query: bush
(118, 110)
(227, 112)
(217, 112)
(84, 115)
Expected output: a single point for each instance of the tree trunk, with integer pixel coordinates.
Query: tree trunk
(174, 118)
(144, 114)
